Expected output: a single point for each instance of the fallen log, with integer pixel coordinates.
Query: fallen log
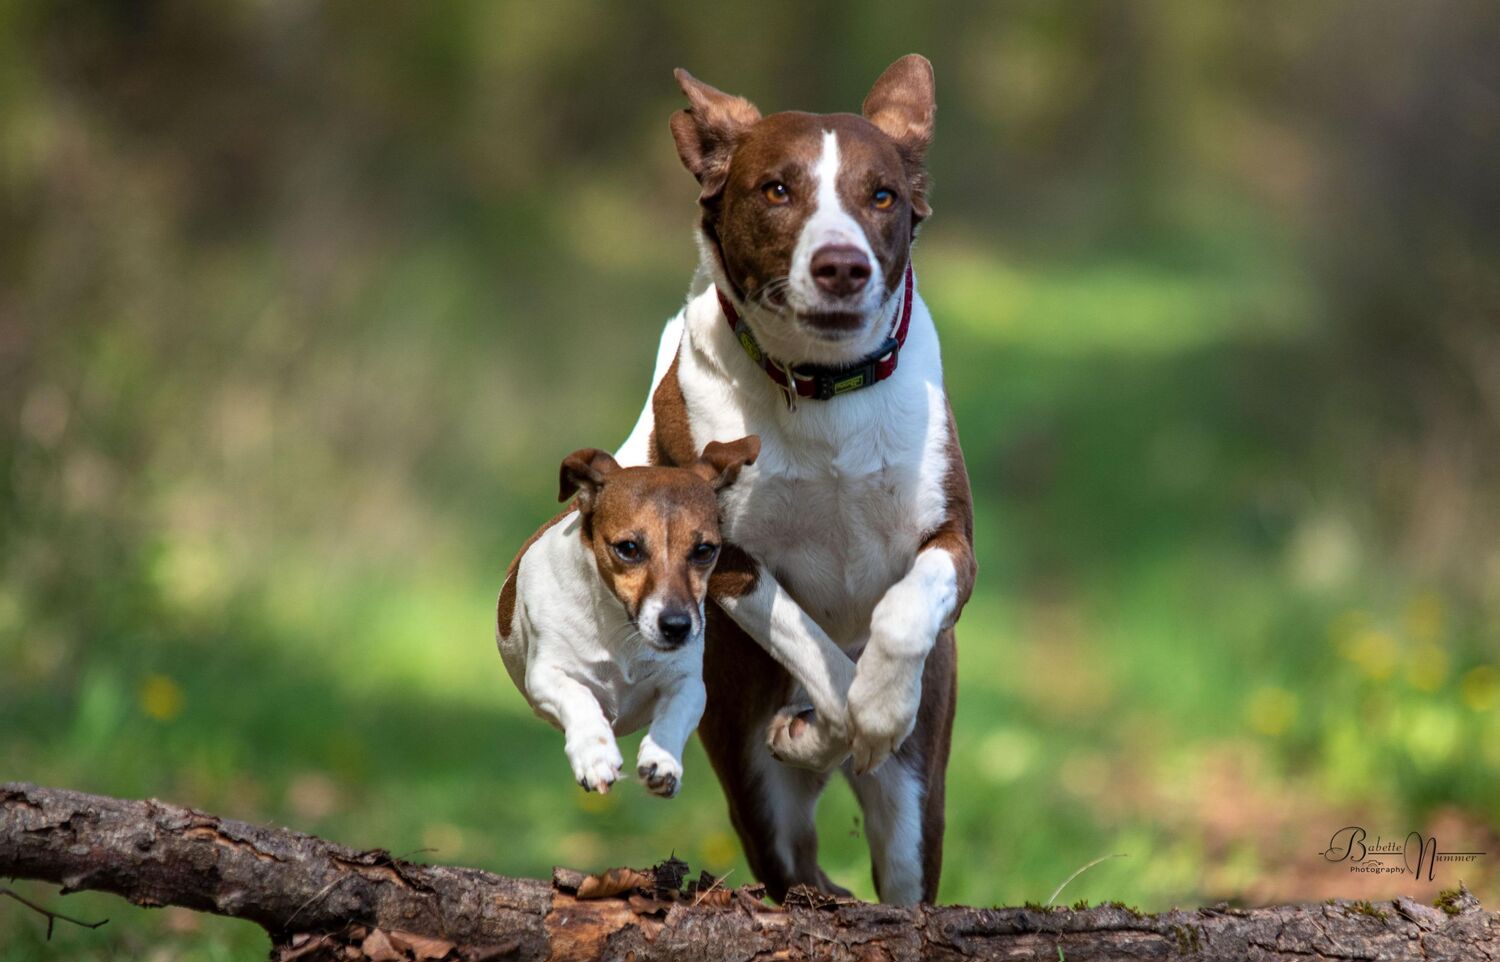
(321, 901)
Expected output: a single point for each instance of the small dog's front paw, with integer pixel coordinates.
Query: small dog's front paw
(659, 782)
(797, 736)
(596, 763)
(658, 769)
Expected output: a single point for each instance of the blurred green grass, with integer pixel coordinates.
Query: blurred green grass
(280, 407)
(1142, 616)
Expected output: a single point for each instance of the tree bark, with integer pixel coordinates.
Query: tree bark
(318, 900)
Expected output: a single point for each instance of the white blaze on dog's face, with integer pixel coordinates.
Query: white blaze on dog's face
(654, 533)
(808, 219)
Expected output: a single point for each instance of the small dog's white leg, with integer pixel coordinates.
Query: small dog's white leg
(659, 762)
(589, 741)
(891, 800)
(887, 687)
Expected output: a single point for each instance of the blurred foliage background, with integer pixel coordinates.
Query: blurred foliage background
(302, 303)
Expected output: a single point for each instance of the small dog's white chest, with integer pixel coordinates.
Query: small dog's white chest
(627, 690)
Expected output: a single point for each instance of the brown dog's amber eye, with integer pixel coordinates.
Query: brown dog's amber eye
(883, 199)
(627, 551)
(704, 554)
(776, 192)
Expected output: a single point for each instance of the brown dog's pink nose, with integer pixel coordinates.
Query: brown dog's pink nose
(840, 269)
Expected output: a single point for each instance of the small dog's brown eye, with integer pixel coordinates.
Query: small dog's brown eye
(776, 193)
(627, 551)
(704, 554)
(883, 199)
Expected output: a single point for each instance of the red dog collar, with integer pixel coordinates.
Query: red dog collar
(819, 382)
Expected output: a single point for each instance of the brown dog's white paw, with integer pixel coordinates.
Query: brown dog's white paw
(798, 737)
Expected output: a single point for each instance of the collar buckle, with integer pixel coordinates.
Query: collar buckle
(829, 382)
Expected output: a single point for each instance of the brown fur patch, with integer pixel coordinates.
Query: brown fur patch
(756, 237)
(956, 533)
(505, 608)
(671, 431)
(736, 574)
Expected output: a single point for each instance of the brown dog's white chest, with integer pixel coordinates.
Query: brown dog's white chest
(836, 541)
(845, 491)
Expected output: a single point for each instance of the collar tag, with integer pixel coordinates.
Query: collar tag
(751, 346)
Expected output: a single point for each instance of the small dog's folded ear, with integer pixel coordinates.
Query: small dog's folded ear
(721, 461)
(707, 131)
(584, 471)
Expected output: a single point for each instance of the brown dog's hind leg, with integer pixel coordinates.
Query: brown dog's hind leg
(770, 805)
(903, 801)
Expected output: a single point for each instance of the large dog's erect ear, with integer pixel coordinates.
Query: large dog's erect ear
(584, 471)
(721, 461)
(706, 132)
(903, 104)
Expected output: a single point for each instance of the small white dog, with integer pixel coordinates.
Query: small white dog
(600, 620)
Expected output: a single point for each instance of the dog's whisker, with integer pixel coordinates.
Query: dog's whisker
(623, 633)
(771, 288)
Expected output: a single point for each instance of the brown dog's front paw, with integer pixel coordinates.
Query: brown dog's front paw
(883, 703)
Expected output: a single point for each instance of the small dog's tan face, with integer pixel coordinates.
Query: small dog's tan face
(654, 532)
(655, 537)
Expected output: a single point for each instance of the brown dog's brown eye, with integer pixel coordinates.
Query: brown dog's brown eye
(776, 192)
(627, 551)
(883, 199)
(704, 554)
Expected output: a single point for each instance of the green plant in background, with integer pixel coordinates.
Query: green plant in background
(302, 306)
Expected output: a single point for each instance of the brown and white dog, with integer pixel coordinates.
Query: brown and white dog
(600, 619)
(852, 536)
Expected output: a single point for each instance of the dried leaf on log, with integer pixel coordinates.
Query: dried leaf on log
(378, 948)
(616, 881)
(667, 876)
(422, 948)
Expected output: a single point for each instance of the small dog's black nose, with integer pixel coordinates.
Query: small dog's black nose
(674, 626)
(840, 269)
